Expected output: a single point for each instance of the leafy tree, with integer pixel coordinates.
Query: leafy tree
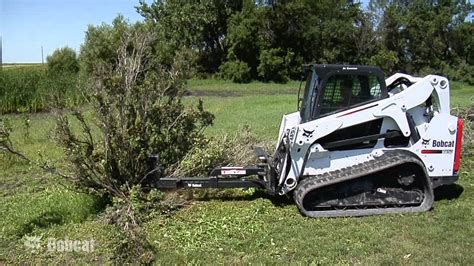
(237, 71)
(395, 34)
(463, 43)
(286, 27)
(200, 25)
(365, 37)
(387, 60)
(63, 60)
(244, 39)
(101, 45)
(272, 66)
(422, 44)
(293, 32)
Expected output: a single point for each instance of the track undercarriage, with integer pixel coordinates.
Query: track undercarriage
(376, 187)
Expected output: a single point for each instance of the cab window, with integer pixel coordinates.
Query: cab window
(343, 91)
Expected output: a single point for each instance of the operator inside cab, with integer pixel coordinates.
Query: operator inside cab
(346, 92)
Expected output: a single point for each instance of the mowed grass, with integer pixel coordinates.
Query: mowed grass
(462, 95)
(256, 112)
(245, 226)
(211, 87)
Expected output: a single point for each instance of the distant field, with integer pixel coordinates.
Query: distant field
(32, 88)
(231, 227)
(9, 65)
(212, 87)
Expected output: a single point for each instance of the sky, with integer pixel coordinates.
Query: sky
(28, 25)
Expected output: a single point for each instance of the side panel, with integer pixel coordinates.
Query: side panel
(436, 146)
(317, 165)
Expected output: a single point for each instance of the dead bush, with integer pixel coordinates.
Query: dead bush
(467, 115)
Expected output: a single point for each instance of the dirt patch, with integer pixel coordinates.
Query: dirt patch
(212, 93)
(226, 93)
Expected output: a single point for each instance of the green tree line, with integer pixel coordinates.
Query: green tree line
(270, 40)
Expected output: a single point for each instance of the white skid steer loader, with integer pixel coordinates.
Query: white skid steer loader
(358, 145)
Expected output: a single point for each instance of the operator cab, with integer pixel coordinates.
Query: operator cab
(334, 88)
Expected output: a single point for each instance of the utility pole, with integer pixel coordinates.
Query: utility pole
(42, 57)
(1, 53)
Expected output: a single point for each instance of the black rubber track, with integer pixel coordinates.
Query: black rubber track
(388, 160)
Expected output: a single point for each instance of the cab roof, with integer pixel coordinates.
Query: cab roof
(324, 69)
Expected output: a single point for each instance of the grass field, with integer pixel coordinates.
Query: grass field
(239, 227)
(32, 88)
